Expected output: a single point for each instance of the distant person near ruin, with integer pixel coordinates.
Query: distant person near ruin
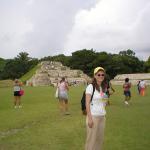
(127, 92)
(142, 86)
(63, 96)
(17, 88)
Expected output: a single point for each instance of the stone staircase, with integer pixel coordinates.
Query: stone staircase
(50, 73)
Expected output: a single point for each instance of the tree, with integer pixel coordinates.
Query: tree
(2, 65)
(147, 65)
(17, 67)
(127, 53)
(23, 62)
(83, 60)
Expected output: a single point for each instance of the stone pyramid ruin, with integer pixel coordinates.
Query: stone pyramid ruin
(50, 73)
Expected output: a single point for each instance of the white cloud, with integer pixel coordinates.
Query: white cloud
(38, 27)
(112, 25)
(51, 27)
(30, 2)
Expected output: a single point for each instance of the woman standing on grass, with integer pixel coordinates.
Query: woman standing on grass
(63, 96)
(17, 94)
(95, 120)
(142, 86)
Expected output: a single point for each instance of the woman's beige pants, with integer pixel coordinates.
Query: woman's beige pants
(95, 135)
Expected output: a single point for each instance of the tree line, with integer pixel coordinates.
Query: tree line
(85, 60)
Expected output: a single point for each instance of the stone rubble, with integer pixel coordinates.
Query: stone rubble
(50, 73)
(134, 78)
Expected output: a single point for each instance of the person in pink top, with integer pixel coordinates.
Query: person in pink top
(63, 96)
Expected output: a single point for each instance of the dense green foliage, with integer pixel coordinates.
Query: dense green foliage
(17, 67)
(85, 60)
(38, 125)
(2, 64)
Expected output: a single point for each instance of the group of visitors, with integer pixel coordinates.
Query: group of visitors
(96, 94)
(95, 107)
(141, 86)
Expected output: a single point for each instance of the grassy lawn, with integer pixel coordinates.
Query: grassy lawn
(38, 125)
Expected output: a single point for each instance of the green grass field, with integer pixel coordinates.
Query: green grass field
(39, 125)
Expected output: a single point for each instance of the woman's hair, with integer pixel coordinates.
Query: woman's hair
(103, 85)
(126, 79)
(62, 79)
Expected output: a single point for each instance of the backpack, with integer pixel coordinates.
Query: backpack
(83, 101)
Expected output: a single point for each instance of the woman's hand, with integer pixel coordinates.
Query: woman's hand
(90, 122)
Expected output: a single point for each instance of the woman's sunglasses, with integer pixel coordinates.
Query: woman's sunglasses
(100, 75)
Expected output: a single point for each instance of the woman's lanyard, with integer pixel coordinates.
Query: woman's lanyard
(101, 92)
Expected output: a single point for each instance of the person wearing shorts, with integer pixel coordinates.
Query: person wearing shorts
(63, 96)
(17, 95)
(127, 92)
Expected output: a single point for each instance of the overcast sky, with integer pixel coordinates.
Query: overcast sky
(51, 27)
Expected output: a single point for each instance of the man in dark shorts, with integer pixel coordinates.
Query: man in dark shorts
(127, 93)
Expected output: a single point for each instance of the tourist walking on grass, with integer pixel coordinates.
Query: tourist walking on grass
(17, 93)
(109, 90)
(127, 92)
(142, 86)
(95, 108)
(138, 86)
(63, 96)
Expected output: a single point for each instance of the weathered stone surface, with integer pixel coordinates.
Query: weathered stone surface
(134, 78)
(50, 73)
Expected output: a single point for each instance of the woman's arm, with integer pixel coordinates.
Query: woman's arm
(88, 101)
(67, 86)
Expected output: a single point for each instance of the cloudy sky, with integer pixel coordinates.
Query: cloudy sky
(51, 27)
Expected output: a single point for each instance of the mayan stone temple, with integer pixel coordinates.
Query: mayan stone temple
(50, 73)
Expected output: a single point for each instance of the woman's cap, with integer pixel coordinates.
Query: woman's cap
(98, 69)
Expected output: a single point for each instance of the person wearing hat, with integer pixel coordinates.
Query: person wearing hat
(95, 108)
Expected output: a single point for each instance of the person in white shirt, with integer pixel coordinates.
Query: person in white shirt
(95, 108)
(17, 95)
(142, 86)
